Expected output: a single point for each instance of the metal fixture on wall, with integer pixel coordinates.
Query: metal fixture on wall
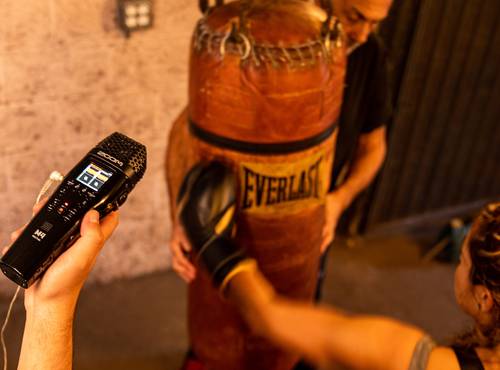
(135, 15)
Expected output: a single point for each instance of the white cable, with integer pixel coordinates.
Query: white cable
(54, 177)
(4, 347)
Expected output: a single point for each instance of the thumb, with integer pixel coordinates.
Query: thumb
(90, 224)
(92, 237)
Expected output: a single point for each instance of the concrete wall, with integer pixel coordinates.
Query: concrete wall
(68, 78)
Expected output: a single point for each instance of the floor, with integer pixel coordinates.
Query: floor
(140, 323)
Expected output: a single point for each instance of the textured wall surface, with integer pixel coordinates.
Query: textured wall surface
(68, 78)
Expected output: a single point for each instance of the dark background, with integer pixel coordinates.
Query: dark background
(444, 139)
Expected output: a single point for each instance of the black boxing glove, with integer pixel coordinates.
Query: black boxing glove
(206, 204)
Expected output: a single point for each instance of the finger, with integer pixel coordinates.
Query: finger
(327, 239)
(37, 207)
(186, 246)
(185, 249)
(177, 249)
(5, 249)
(323, 247)
(180, 259)
(178, 254)
(179, 236)
(190, 272)
(183, 263)
(15, 234)
(182, 272)
(93, 236)
(109, 224)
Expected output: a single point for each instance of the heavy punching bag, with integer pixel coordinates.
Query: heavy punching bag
(265, 89)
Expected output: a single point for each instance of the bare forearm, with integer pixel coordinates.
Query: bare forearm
(368, 159)
(50, 302)
(47, 340)
(324, 336)
(295, 327)
(252, 294)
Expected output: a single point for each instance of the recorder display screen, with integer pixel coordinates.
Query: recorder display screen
(93, 176)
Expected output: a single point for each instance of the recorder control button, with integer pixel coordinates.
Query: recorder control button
(111, 207)
(122, 199)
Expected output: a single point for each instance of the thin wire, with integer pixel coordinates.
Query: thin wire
(4, 347)
(54, 177)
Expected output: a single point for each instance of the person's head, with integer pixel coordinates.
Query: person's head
(477, 277)
(360, 17)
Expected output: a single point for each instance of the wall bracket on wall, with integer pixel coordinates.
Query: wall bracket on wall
(134, 15)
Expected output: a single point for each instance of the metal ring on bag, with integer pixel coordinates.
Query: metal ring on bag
(204, 5)
(246, 43)
(222, 48)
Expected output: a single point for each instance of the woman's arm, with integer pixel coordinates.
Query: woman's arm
(322, 335)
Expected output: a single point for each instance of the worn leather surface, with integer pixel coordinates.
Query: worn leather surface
(265, 104)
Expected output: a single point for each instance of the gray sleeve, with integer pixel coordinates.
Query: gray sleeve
(421, 353)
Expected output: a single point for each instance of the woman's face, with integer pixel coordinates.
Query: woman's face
(463, 285)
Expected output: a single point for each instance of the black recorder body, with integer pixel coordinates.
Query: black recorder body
(102, 181)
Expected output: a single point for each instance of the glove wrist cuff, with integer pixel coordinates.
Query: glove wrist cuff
(246, 265)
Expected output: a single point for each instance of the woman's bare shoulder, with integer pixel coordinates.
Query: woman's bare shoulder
(443, 358)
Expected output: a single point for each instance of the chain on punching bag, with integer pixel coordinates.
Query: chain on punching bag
(265, 89)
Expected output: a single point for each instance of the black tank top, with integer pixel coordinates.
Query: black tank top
(467, 358)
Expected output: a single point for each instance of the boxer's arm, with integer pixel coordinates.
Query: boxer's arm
(324, 336)
(370, 154)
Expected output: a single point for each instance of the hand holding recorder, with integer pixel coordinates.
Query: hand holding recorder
(50, 302)
(80, 214)
(102, 181)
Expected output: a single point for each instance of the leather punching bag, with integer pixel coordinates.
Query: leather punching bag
(265, 89)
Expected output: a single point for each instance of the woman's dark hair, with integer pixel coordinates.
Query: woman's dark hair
(484, 250)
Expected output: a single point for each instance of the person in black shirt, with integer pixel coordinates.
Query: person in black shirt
(365, 112)
(361, 144)
(366, 109)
